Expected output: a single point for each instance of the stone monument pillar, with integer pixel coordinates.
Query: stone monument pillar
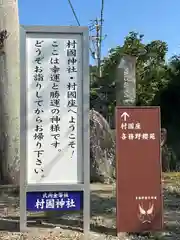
(126, 82)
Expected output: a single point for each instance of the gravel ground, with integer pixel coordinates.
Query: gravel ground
(103, 223)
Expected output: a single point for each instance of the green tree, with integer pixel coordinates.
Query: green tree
(150, 71)
(158, 83)
(169, 101)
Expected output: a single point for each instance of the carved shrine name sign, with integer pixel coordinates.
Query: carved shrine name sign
(138, 159)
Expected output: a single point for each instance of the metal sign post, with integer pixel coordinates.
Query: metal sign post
(138, 159)
(54, 166)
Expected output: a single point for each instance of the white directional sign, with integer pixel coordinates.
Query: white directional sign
(54, 119)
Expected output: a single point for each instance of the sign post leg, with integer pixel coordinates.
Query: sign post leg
(23, 214)
(86, 213)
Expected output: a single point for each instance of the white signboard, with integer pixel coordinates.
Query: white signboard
(53, 94)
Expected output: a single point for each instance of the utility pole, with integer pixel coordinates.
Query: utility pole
(78, 23)
(101, 36)
(96, 39)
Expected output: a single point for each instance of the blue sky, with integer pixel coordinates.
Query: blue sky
(156, 19)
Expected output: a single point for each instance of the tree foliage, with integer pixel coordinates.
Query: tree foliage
(158, 82)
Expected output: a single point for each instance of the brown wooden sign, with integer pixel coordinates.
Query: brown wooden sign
(138, 159)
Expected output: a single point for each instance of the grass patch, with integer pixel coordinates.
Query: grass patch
(172, 175)
(172, 178)
(172, 183)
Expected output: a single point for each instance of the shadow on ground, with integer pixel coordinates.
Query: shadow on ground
(103, 214)
(102, 209)
(11, 224)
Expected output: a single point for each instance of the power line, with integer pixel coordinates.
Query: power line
(77, 20)
(74, 13)
(97, 38)
(93, 37)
